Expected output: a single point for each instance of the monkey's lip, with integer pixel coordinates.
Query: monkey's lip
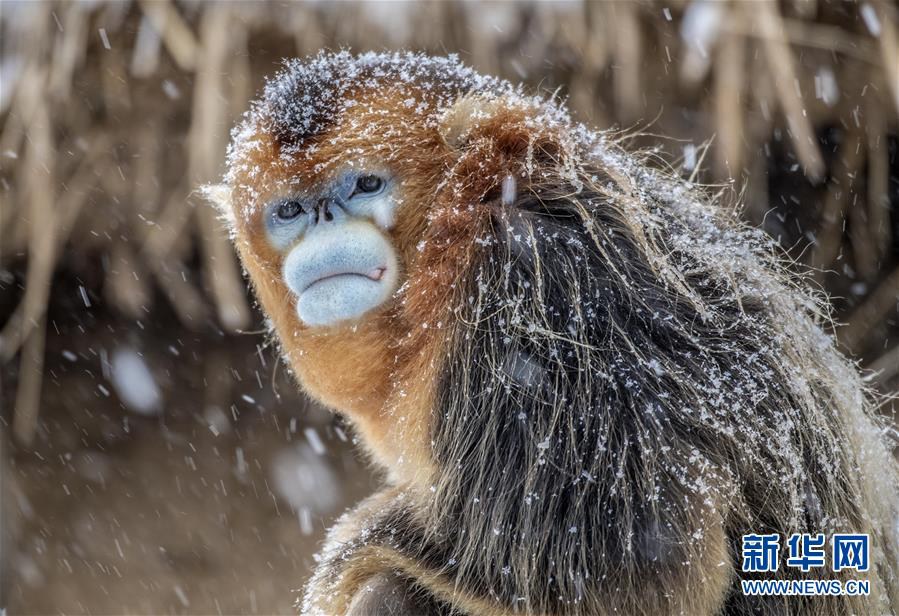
(375, 274)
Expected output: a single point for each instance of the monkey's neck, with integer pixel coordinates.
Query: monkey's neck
(345, 369)
(354, 371)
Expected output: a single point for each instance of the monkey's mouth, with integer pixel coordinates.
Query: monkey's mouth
(339, 278)
(339, 295)
(375, 274)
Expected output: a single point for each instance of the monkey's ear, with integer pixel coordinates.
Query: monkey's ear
(465, 114)
(219, 195)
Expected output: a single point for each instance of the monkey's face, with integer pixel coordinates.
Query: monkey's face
(327, 227)
(337, 260)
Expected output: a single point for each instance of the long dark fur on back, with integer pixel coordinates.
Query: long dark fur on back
(631, 385)
(625, 415)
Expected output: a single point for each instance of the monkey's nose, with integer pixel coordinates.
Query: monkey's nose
(326, 210)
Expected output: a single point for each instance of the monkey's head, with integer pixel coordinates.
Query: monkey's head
(356, 192)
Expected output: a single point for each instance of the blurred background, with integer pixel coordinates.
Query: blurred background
(156, 456)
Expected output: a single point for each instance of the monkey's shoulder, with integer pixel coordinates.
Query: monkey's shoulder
(369, 566)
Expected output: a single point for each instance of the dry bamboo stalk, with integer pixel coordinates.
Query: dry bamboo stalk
(240, 75)
(482, 46)
(570, 29)
(219, 382)
(829, 38)
(147, 175)
(762, 96)
(130, 292)
(348, 29)
(870, 313)
(592, 44)
(116, 93)
(811, 34)
(582, 101)
(889, 49)
(169, 228)
(9, 219)
(699, 41)
(208, 129)
(781, 64)
(69, 50)
(29, 92)
(307, 29)
(112, 16)
(40, 163)
(424, 16)
(163, 238)
(28, 392)
(878, 176)
(159, 254)
(452, 14)
(222, 272)
(628, 85)
(863, 246)
(13, 231)
(729, 77)
(18, 239)
(886, 366)
(597, 52)
(33, 48)
(755, 199)
(206, 145)
(177, 36)
(184, 298)
(829, 236)
(126, 285)
(147, 45)
(806, 8)
(68, 206)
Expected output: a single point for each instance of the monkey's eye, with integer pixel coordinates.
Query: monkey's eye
(368, 184)
(288, 210)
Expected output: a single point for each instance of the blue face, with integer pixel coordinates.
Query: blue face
(339, 263)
